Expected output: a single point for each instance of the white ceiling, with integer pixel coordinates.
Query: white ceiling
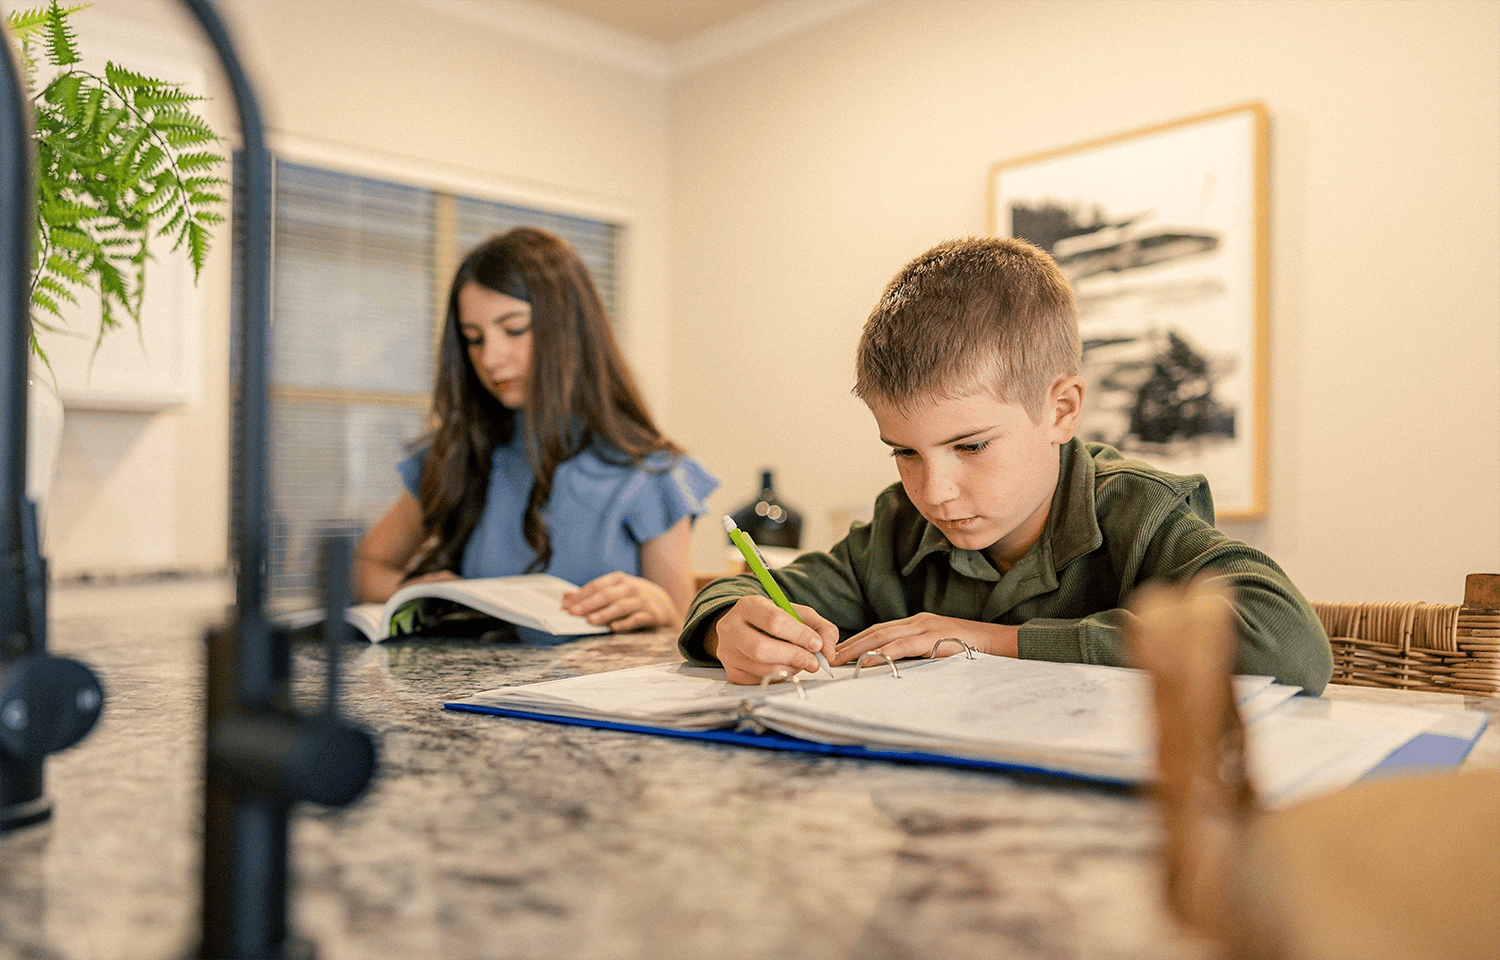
(667, 21)
(657, 37)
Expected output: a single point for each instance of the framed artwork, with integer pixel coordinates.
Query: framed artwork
(1162, 232)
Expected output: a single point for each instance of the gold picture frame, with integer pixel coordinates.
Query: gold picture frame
(1162, 231)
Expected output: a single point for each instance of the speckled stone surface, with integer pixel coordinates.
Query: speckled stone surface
(489, 837)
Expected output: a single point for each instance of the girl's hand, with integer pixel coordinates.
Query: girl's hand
(433, 577)
(915, 636)
(624, 603)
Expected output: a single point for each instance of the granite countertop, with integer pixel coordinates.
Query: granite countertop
(491, 837)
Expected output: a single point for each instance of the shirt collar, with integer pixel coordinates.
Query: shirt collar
(1073, 525)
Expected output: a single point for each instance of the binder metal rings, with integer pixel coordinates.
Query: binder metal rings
(968, 650)
(746, 723)
(876, 653)
(782, 674)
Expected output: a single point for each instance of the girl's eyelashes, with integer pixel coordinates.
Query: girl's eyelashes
(477, 339)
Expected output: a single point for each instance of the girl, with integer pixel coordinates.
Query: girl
(542, 455)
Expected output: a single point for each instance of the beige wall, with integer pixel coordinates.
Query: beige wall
(769, 198)
(805, 176)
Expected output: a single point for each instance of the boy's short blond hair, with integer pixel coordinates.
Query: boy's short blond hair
(981, 314)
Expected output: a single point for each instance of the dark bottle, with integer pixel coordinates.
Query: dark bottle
(771, 522)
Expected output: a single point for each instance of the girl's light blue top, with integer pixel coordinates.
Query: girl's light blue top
(599, 514)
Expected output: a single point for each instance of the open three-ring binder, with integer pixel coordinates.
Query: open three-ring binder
(972, 709)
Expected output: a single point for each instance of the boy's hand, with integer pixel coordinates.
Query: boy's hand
(755, 638)
(915, 636)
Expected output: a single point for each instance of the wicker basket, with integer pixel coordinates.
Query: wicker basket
(1418, 646)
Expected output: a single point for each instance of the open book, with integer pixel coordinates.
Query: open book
(531, 600)
(1076, 720)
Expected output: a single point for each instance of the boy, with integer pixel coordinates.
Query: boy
(1005, 531)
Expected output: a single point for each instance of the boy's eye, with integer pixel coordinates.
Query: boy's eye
(903, 453)
(976, 447)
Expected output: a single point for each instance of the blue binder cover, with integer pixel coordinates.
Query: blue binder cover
(1425, 753)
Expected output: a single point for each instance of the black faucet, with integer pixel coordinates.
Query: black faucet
(47, 703)
(262, 756)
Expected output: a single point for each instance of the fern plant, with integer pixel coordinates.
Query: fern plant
(121, 159)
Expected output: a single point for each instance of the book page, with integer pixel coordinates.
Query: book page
(677, 695)
(530, 600)
(990, 701)
(367, 618)
(1069, 717)
(1314, 746)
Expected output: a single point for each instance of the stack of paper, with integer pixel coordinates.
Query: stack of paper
(1073, 719)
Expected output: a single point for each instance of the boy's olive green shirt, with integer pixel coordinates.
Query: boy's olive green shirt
(1114, 524)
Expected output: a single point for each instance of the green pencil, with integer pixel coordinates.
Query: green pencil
(757, 566)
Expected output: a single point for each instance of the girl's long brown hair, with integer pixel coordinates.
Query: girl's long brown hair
(579, 392)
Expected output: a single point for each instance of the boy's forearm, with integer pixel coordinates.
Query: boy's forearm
(1279, 634)
(699, 645)
(707, 607)
(1098, 638)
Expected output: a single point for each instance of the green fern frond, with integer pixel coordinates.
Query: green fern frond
(41, 354)
(112, 282)
(197, 243)
(133, 140)
(55, 289)
(24, 22)
(77, 241)
(120, 157)
(202, 184)
(59, 266)
(29, 26)
(110, 118)
(124, 80)
(150, 161)
(67, 212)
(114, 243)
(45, 301)
(92, 102)
(170, 95)
(198, 160)
(62, 92)
(179, 215)
(62, 44)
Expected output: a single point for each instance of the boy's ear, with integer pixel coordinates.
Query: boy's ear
(1065, 403)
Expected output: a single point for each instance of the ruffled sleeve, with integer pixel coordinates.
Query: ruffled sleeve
(410, 469)
(672, 487)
